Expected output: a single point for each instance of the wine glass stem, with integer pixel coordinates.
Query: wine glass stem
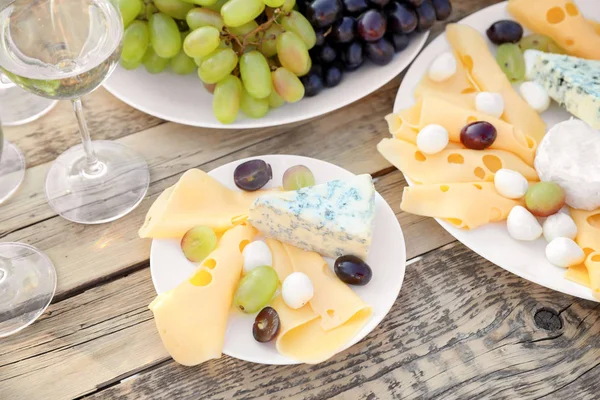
(92, 166)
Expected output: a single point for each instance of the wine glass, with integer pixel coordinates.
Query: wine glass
(64, 49)
(12, 168)
(19, 107)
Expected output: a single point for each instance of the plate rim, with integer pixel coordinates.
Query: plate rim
(401, 244)
(455, 232)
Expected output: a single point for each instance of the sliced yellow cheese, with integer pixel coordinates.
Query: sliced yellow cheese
(192, 318)
(451, 165)
(431, 109)
(465, 205)
(466, 100)
(196, 199)
(592, 263)
(562, 21)
(281, 261)
(578, 274)
(333, 300)
(588, 229)
(479, 62)
(595, 25)
(459, 83)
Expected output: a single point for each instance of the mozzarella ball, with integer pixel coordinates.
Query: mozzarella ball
(432, 139)
(563, 252)
(442, 67)
(510, 184)
(559, 225)
(256, 254)
(297, 290)
(522, 225)
(490, 103)
(536, 95)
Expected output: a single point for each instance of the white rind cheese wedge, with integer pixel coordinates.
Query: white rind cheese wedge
(572, 82)
(569, 156)
(332, 219)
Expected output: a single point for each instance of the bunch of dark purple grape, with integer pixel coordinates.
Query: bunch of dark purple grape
(352, 31)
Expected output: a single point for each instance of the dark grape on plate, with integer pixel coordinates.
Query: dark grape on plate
(333, 75)
(478, 135)
(323, 13)
(400, 18)
(380, 52)
(344, 30)
(426, 16)
(505, 31)
(355, 7)
(371, 25)
(313, 84)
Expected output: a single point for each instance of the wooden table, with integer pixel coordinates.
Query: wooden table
(461, 327)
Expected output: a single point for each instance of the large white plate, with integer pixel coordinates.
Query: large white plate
(184, 100)
(525, 259)
(387, 258)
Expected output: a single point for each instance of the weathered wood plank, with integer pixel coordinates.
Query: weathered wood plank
(108, 118)
(107, 332)
(461, 328)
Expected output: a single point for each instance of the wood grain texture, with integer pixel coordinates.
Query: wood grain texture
(107, 333)
(461, 328)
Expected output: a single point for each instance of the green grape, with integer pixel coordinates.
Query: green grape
(226, 99)
(510, 59)
(256, 289)
(217, 65)
(298, 177)
(274, 3)
(182, 64)
(243, 30)
(292, 53)
(297, 23)
(217, 6)
(275, 100)
(256, 74)
(288, 5)
(153, 62)
(198, 17)
(239, 12)
(135, 43)
(202, 41)
(129, 9)
(203, 3)
(252, 107)
(287, 85)
(164, 35)
(541, 43)
(269, 42)
(130, 64)
(173, 8)
(545, 198)
(198, 243)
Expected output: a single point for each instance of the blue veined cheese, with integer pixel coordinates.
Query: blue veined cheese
(572, 82)
(332, 219)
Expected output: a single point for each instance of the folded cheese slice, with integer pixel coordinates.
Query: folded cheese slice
(430, 109)
(588, 229)
(479, 62)
(451, 165)
(562, 21)
(196, 199)
(459, 83)
(592, 263)
(578, 274)
(465, 205)
(192, 318)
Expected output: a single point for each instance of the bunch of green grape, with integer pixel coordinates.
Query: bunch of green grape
(248, 53)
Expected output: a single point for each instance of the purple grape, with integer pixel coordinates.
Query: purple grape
(316, 69)
(401, 19)
(443, 9)
(505, 31)
(379, 3)
(380, 52)
(252, 175)
(323, 13)
(355, 7)
(372, 25)
(478, 135)
(313, 84)
(352, 55)
(327, 54)
(344, 31)
(426, 16)
(352, 270)
(266, 325)
(333, 75)
(399, 40)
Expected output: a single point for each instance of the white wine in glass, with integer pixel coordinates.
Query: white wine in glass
(64, 49)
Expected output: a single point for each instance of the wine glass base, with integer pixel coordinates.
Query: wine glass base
(27, 285)
(12, 170)
(20, 107)
(113, 192)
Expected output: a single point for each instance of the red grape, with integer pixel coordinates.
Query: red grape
(401, 19)
(372, 25)
(478, 135)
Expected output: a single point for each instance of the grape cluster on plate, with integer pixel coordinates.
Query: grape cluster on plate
(351, 31)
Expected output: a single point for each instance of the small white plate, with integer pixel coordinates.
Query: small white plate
(387, 258)
(184, 100)
(492, 242)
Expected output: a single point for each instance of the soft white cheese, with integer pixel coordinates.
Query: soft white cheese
(297, 290)
(490, 103)
(535, 95)
(522, 225)
(569, 155)
(442, 67)
(564, 252)
(510, 184)
(257, 254)
(559, 225)
(432, 139)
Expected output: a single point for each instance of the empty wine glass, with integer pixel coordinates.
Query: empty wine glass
(12, 168)
(64, 49)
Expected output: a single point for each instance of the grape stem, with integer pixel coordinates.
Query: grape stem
(245, 40)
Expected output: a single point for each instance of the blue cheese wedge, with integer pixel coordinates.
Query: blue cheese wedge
(572, 82)
(332, 219)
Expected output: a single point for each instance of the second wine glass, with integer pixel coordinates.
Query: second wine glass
(64, 49)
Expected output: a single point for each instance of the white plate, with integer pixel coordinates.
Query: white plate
(184, 100)
(387, 258)
(525, 259)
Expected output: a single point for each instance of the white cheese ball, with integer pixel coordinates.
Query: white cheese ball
(510, 184)
(256, 254)
(442, 67)
(564, 252)
(536, 95)
(559, 225)
(522, 225)
(432, 139)
(297, 290)
(490, 103)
